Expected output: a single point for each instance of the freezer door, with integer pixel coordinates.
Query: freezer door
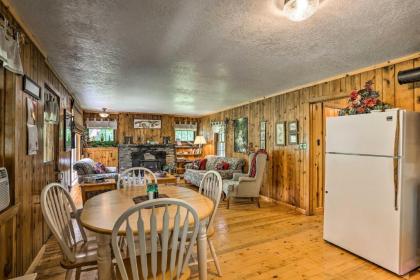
(359, 213)
(372, 134)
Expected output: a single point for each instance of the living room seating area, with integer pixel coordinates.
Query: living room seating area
(203, 140)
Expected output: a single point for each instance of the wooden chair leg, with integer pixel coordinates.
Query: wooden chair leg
(258, 202)
(214, 256)
(228, 202)
(78, 270)
(69, 274)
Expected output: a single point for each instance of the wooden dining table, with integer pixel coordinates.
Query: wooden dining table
(102, 211)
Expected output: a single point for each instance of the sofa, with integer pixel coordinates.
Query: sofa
(194, 176)
(85, 169)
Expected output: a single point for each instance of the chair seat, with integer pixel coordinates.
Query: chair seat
(229, 186)
(183, 276)
(85, 254)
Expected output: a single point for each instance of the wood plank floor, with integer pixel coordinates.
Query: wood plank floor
(273, 242)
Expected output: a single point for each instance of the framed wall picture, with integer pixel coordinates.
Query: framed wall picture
(293, 127)
(151, 124)
(240, 144)
(281, 134)
(293, 139)
(293, 133)
(30, 87)
(263, 125)
(68, 131)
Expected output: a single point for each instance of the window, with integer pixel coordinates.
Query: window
(220, 147)
(101, 134)
(184, 135)
(51, 120)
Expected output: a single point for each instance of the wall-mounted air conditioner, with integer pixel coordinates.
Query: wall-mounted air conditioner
(4, 189)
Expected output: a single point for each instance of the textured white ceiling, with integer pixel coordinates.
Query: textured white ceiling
(199, 56)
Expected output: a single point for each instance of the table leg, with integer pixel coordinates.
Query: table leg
(202, 251)
(105, 267)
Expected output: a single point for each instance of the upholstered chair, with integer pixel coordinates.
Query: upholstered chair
(243, 185)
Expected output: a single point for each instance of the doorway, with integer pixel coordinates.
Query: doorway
(75, 156)
(319, 112)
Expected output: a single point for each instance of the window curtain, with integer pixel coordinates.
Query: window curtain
(186, 126)
(51, 107)
(218, 127)
(101, 124)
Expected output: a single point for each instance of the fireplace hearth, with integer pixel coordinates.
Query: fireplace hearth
(153, 157)
(153, 160)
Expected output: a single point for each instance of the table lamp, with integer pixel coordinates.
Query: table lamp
(200, 141)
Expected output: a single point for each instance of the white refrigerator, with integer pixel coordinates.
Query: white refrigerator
(372, 187)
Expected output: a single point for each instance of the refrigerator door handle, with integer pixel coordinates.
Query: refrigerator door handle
(396, 160)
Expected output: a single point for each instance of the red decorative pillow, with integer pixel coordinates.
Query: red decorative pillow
(99, 168)
(223, 165)
(226, 165)
(203, 164)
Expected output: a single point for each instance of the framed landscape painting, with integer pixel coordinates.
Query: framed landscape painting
(240, 144)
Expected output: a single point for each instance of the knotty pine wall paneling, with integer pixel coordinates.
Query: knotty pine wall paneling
(287, 178)
(140, 135)
(27, 174)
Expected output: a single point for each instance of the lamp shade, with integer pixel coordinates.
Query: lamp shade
(104, 113)
(298, 10)
(200, 140)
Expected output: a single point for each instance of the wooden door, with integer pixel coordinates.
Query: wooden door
(316, 158)
(319, 112)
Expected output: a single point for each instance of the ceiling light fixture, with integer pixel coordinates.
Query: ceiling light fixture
(104, 113)
(298, 10)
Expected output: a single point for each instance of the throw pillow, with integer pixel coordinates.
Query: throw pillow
(195, 164)
(223, 165)
(203, 164)
(99, 168)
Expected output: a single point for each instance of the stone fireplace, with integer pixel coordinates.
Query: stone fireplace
(153, 157)
(145, 157)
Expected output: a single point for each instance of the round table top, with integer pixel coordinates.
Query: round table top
(102, 211)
